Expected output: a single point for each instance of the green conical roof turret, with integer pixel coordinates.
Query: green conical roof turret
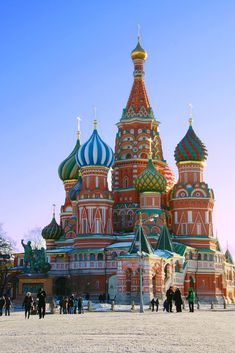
(164, 241)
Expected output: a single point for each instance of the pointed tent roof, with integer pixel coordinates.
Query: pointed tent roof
(164, 241)
(228, 257)
(145, 245)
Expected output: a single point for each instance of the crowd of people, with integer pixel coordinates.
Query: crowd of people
(74, 304)
(176, 297)
(71, 305)
(38, 305)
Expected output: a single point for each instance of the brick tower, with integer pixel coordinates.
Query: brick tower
(136, 129)
(191, 199)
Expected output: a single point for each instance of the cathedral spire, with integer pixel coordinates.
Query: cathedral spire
(138, 105)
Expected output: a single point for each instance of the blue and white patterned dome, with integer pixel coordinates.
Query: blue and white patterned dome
(95, 152)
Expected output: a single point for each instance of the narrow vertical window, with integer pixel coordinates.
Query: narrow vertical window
(96, 182)
(176, 217)
(199, 228)
(190, 217)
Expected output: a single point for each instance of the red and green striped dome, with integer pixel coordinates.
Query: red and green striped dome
(190, 148)
(150, 180)
(68, 169)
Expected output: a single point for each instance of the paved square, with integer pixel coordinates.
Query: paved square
(200, 332)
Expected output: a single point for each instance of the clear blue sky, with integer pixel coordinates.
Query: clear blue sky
(59, 58)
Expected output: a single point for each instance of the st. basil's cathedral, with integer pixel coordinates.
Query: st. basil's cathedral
(147, 222)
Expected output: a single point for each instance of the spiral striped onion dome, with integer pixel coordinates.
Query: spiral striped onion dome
(150, 180)
(75, 189)
(170, 177)
(95, 152)
(68, 169)
(52, 231)
(190, 148)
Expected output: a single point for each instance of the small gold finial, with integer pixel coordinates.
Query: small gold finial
(190, 120)
(150, 148)
(78, 127)
(95, 120)
(53, 210)
(138, 32)
(140, 218)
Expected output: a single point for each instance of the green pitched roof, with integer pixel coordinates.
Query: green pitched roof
(164, 241)
(140, 242)
(228, 257)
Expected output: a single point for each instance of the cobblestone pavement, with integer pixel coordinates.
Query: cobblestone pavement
(101, 332)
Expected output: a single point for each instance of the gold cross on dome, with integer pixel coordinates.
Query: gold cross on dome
(138, 32)
(53, 210)
(95, 120)
(190, 120)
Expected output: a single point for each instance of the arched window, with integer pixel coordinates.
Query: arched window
(126, 182)
(85, 257)
(100, 257)
(92, 257)
(130, 216)
(205, 257)
(190, 255)
(177, 266)
(128, 156)
(199, 257)
(114, 255)
(80, 257)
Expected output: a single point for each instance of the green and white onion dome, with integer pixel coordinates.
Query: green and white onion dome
(68, 169)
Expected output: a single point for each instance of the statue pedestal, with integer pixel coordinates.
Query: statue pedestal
(32, 282)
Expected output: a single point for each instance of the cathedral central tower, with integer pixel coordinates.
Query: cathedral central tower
(137, 129)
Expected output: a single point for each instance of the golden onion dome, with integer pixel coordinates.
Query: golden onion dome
(139, 52)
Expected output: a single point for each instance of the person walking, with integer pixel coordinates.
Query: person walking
(41, 303)
(178, 300)
(157, 304)
(2, 304)
(191, 299)
(75, 305)
(71, 304)
(169, 297)
(7, 305)
(152, 304)
(27, 305)
(80, 305)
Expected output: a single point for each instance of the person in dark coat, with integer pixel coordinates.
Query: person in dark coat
(27, 305)
(169, 297)
(71, 304)
(157, 304)
(178, 300)
(80, 305)
(7, 305)
(41, 303)
(152, 304)
(2, 304)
